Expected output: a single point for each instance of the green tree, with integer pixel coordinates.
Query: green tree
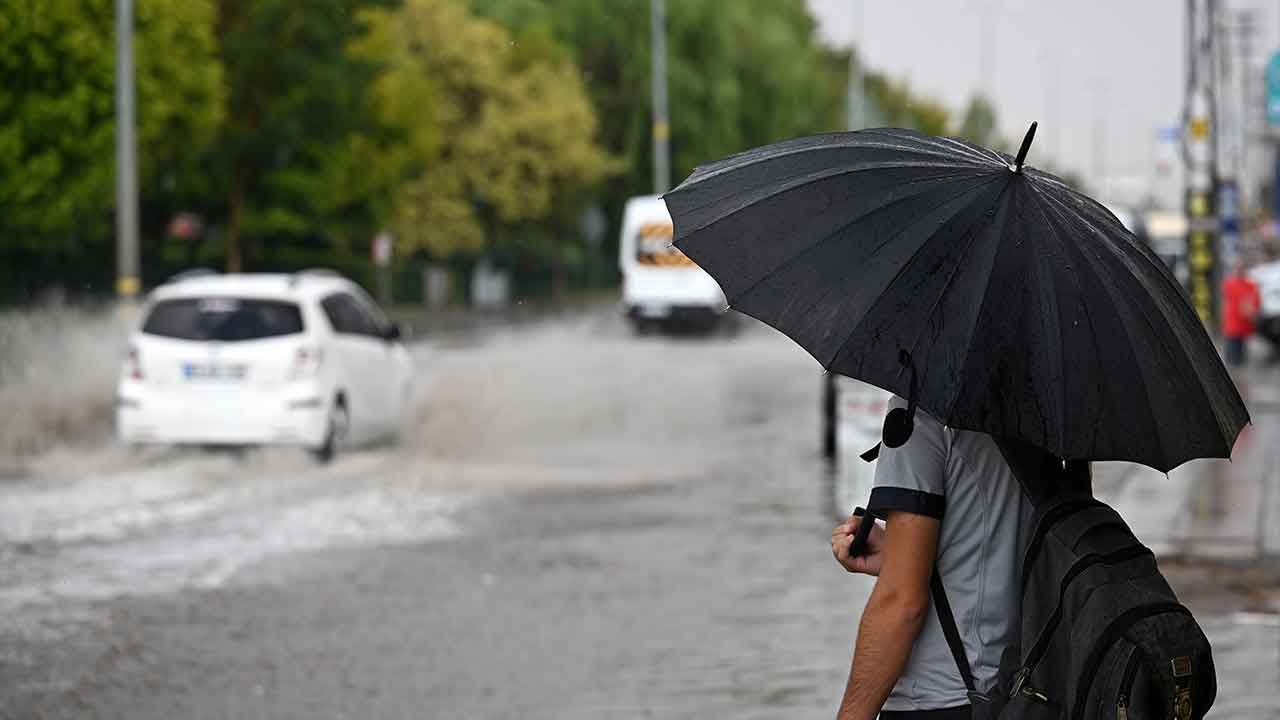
(57, 114)
(739, 74)
(492, 133)
(979, 122)
(895, 104)
(296, 108)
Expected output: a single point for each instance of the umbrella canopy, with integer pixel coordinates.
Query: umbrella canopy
(1024, 308)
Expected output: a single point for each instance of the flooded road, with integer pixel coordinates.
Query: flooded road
(577, 523)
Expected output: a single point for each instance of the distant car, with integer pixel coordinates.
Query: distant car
(262, 359)
(1267, 278)
(661, 287)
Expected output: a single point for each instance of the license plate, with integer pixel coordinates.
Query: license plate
(213, 371)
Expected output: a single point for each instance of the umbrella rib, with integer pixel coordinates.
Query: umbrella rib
(902, 268)
(950, 146)
(828, 175)
(1202, 384)
(972, 151)
(1054, 219)
(835, 232)
(1058, 359)
(757, 156)
(973, 240)
(973, 329)
(1152, 261)
(1090, 265)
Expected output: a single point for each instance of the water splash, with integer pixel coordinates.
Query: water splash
(58, 367)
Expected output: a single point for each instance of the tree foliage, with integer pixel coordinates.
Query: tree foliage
(900, 107)
(979, 122)
(57, 113)
(296, 100)
(468, 127)
(494, 132)
(739, 74)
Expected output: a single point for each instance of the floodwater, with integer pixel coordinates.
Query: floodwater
(577, 523)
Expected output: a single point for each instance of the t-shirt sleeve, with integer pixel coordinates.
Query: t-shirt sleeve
(912, 477)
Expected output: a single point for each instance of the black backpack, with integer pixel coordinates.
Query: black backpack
(1102, 635)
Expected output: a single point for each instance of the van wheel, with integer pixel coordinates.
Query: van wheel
(641, 327)
(336, 428)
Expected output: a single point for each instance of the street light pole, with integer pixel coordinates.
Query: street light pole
(857, 84)
(661, 126)
(1200, 153)
(127, 270)
(1100, 94)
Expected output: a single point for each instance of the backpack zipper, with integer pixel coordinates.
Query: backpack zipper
(1126, 684)
(1109, 636)
(1046, 523)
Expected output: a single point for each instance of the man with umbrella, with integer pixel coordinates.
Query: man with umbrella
(951, 502)
(1024, 325)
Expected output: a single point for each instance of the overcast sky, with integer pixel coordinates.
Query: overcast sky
(1118, 65)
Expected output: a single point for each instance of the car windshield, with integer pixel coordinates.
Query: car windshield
(224, 319)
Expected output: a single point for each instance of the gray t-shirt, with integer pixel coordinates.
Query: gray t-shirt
(962, 478)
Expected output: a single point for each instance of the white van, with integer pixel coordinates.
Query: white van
(660, 285)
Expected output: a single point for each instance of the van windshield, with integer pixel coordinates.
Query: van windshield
(653, 246)
(225, 319)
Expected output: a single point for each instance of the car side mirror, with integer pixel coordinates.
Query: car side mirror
(392, 332)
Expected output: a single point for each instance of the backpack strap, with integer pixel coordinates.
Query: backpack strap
(952, 633)
(1042, 477)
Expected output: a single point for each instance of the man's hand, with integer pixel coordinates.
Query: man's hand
(842, 537)
(894, 616)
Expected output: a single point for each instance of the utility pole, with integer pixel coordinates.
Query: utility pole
(1099, 140)
(986, 46)
(1242, 33)
(1200, 154)
(1233, 36)
(1053, 101)
(856, 107)
(127, 281)
(661, 125)
(857, 101)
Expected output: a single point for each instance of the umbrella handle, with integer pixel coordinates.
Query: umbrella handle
(859, 545)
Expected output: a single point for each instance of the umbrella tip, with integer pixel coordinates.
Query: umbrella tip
(1026, 145)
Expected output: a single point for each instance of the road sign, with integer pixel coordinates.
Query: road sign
(1229, 219)
(381, 249)
(1273, 91)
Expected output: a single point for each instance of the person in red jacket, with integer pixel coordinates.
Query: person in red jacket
(1240, 305)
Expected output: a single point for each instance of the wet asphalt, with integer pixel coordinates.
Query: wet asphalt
(577, 523)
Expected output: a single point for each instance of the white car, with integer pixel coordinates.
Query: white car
(261, 359)
(1267, 278)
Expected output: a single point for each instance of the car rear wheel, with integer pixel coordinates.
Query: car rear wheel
(336, 427)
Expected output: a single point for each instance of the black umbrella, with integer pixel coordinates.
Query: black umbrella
(1017, 305)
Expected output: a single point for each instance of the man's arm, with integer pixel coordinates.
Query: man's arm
(894, 616)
